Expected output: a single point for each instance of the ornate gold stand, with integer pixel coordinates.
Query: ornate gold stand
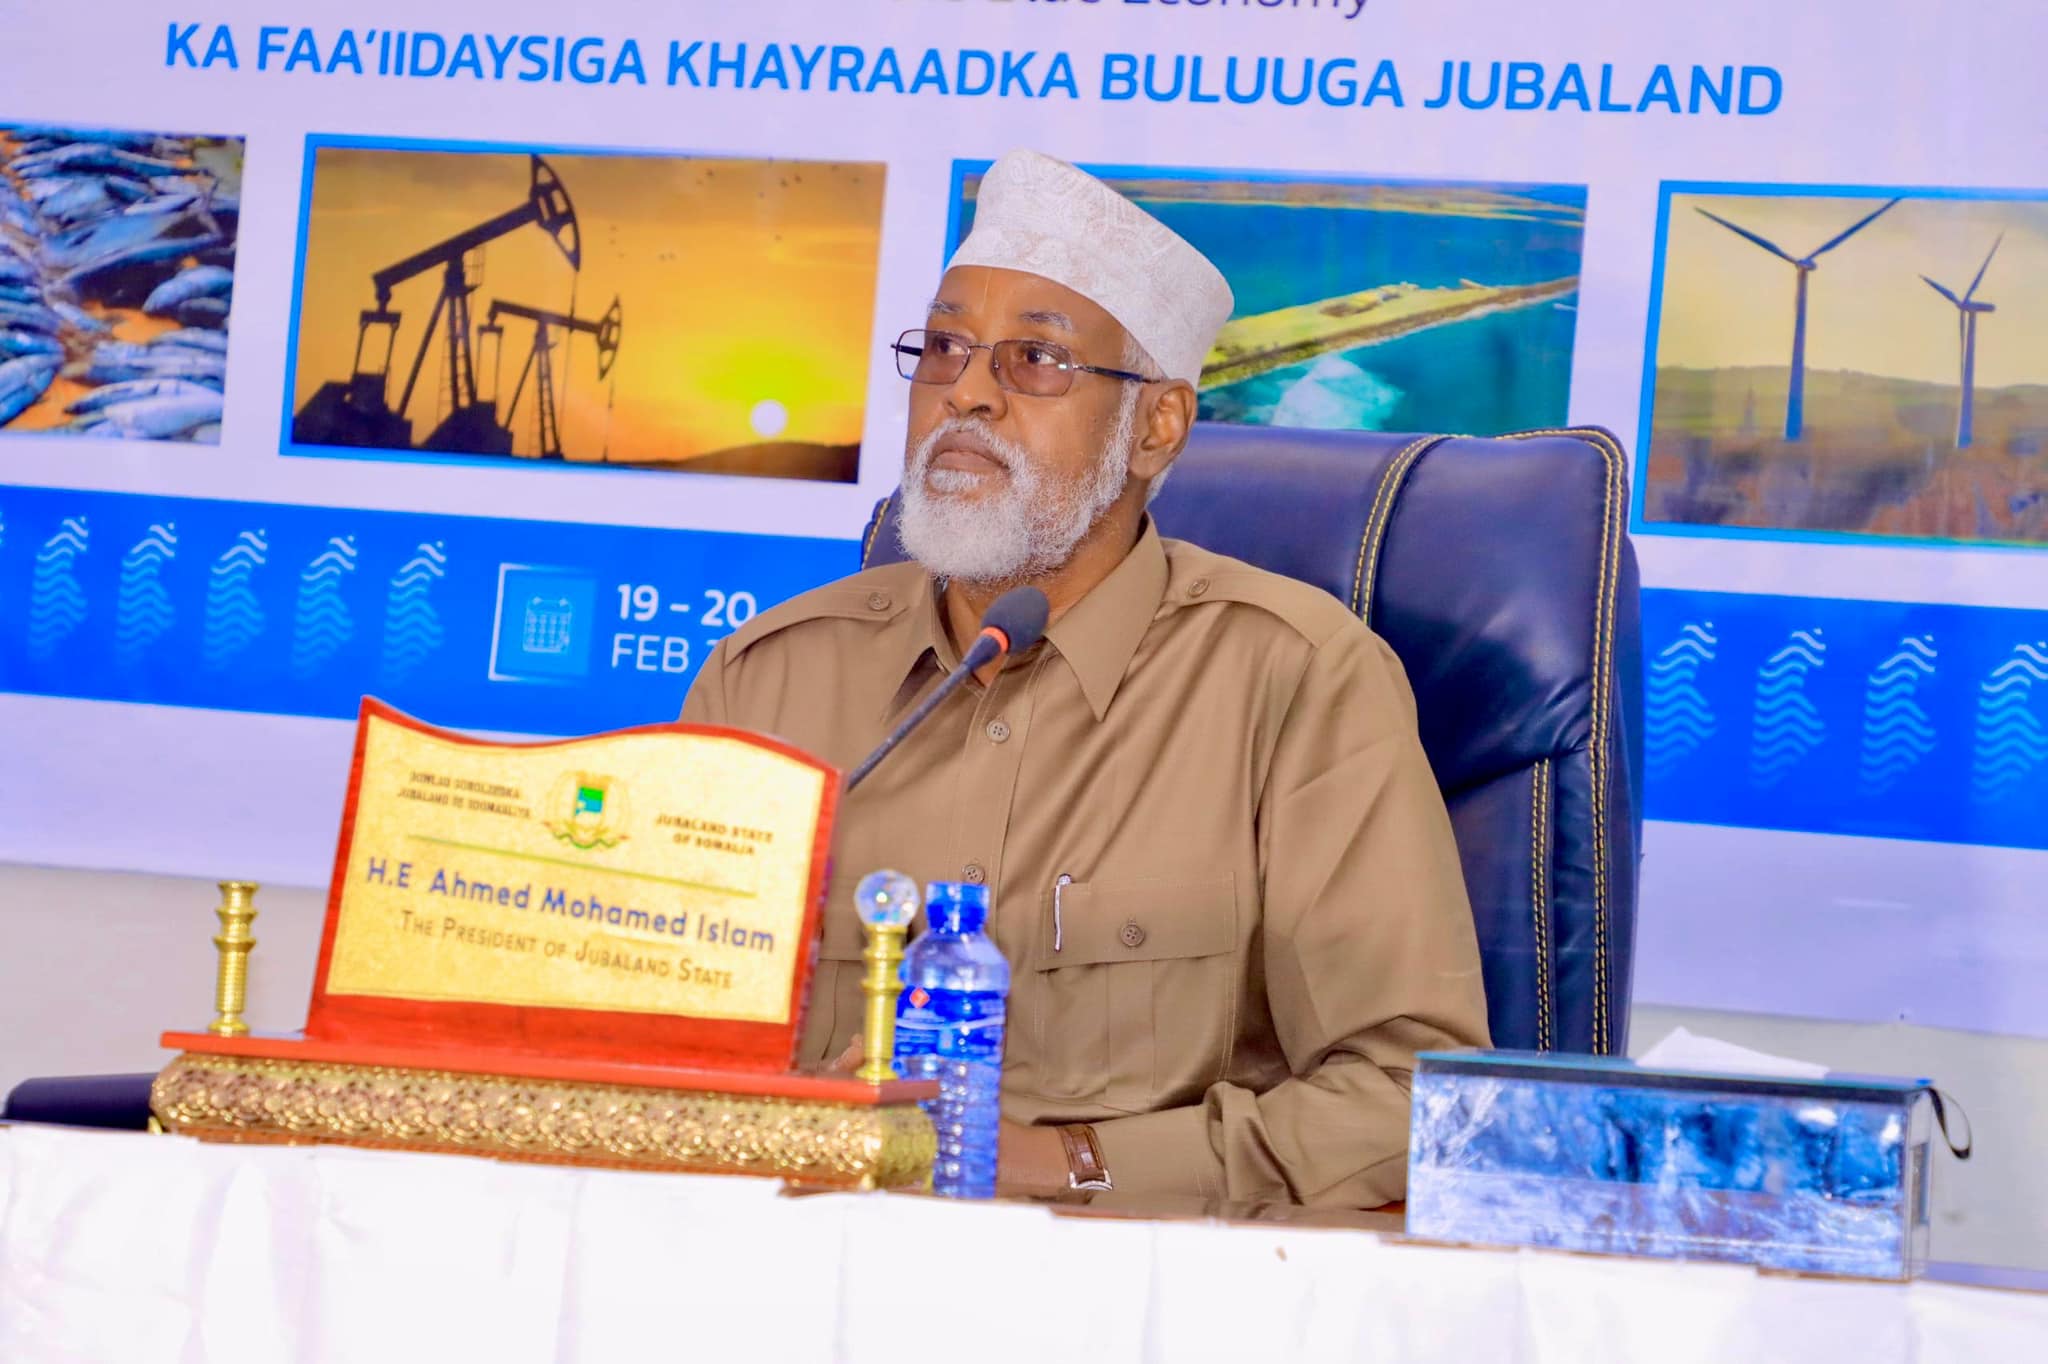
(255, 1099)
(446, 1095)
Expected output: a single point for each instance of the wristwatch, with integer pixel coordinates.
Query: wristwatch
(1086, 1172)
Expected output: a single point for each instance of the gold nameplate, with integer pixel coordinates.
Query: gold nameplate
(672, 872)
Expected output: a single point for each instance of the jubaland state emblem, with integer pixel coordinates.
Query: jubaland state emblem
(588, 810)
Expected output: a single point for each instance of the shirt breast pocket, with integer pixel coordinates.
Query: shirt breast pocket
(1138, 990)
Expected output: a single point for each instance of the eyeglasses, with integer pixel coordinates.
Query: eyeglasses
(1040, 369)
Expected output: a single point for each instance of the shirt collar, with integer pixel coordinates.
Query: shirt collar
(925, 650)
(1098, 636)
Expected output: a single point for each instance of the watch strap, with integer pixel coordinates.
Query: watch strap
(1086, 1169)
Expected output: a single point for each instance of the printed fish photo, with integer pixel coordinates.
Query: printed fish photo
(1850, 362)
(594, 311)
(1378, 305)
(117, 258)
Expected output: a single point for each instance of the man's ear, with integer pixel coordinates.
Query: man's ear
(1167, 414)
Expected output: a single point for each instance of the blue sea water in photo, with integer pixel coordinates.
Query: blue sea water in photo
(1482, 375)
(1479, 375)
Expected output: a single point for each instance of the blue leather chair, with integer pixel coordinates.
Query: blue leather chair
(1499, 571)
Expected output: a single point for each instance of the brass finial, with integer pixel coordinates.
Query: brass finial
(237, 911)
(884, 954)
(886, 902)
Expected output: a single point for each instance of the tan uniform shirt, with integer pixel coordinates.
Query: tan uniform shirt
(1217, 860)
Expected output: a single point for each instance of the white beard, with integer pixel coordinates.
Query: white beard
(1027, 529)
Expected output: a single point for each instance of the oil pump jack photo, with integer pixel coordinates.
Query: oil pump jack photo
(439, 318)
(539, 366)
(358, 411)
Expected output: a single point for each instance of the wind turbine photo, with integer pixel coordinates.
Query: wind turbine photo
(1795, 399)
(1880, 437)
(1967, 310)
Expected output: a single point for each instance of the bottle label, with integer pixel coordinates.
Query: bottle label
(966, 1024)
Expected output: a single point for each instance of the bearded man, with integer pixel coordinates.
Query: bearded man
(1217, 860)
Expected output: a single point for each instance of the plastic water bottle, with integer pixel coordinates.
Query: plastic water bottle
(949, 1028)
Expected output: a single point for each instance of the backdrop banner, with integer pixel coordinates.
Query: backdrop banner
(499, 366)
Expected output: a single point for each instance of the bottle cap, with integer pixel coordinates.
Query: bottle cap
(955, 906)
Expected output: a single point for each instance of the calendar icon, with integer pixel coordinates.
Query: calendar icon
(548, 626)
(544, 624)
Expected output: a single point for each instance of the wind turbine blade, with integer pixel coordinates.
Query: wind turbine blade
(1858, 226)
(1943, 292)
(1744, 232)
(1971, 292)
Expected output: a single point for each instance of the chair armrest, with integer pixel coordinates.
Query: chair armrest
(120, 1102)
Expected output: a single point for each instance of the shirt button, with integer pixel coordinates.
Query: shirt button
(1198, 587)
(998, 730)
(974, 874)
(1132, 934)
(878, 601)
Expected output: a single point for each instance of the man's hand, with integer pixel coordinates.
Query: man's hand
(1032, 1162)
(850, 1059)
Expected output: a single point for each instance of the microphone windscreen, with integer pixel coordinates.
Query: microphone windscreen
(1020, 614)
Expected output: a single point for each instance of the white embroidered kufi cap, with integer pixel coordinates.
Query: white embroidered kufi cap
(1046, 218)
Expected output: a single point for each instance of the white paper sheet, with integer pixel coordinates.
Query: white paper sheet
(1683, 1049)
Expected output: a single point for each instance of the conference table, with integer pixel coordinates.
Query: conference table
(128, 1247)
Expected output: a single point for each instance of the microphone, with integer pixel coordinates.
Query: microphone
(1014, 622)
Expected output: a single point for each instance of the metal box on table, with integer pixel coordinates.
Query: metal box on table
(1589, 1153)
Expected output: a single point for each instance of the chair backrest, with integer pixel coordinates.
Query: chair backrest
(1499, 571)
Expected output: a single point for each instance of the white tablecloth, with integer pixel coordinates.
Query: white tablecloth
(128, 1248)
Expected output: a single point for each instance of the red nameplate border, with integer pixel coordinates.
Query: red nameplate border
(644, 1039)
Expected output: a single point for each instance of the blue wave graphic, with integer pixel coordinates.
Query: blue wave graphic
(56, 604)
(412, 628)
(1897, 735)
(2011, 741)
(142, 608)
(1786, 725)
(233, 617)
(1678, 714)
(236, 580)
(322, 624)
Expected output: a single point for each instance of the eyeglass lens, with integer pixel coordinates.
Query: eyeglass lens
(1039, 368)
